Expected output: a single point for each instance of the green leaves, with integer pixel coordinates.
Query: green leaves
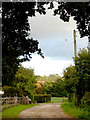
(25, 80)
(77, 78)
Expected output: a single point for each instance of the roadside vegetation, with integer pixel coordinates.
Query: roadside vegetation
(77, 86)
(77, 112)
(19, 81)
(74, 86)
(13, 112)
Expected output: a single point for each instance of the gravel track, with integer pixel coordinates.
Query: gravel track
(46, 110)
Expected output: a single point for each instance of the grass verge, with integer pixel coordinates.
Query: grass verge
(13, 112)
(77, 112)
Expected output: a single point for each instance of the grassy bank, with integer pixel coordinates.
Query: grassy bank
(77, 112)
(13, 112)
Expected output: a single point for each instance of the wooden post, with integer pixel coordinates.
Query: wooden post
(75, 43)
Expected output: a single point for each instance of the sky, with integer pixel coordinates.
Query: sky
(56, 42)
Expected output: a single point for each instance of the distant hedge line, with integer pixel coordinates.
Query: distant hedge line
(40, 98)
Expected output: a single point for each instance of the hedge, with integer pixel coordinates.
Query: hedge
(10, 91)
(40, 98)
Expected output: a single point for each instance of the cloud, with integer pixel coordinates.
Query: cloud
(47, 66)
(44, 26)
(56, 42)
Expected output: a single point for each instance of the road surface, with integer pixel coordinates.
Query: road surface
(46, 110)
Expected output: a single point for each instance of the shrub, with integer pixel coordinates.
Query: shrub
(10, 91)
(40, 98)
(86, 99)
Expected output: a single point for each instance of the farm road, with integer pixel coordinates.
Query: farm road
(47, 110)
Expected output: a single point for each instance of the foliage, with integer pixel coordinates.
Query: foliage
(13, 112)
(47, 87)
(70, 81)
(79, 11)
(16, 29)
(51, 77)
(10, 91)
(38, 89)
(25, 80)
(54, 77)
(58, 88)
(77, 77)
(82, 66)
(77, 112)
(86, 99)
(15, 41)
(40, 98)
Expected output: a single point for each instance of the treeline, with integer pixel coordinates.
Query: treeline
(74, 84)
(55, 88)
(23, 83)
(26, 83)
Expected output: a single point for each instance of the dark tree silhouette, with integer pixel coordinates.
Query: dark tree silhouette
(16, 29)
(80, 13)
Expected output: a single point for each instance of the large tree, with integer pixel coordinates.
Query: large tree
(16, 29)
(80, 13)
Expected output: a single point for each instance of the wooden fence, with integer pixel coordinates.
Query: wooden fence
(9, 102)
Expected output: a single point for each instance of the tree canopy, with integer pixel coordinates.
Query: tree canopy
(25, 81)
(16, 29)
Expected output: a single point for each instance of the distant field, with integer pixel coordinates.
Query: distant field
(58, 99)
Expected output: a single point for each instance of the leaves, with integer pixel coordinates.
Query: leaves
(25, 80)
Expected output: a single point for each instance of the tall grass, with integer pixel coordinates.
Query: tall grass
(77, 112)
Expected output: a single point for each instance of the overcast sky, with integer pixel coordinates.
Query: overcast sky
(56, 41)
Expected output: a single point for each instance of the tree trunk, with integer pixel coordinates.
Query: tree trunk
(69, 98)
(77, 103)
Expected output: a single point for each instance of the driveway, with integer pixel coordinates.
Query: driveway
(46, 110)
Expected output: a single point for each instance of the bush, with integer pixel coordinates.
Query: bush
(40, 98)
(10, 91)
(86, 99)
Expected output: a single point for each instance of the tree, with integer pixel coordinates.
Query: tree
(47, 87)
(25, 81)
(79, 12)
(58, 88)
(54, 77)
(82, 66)
(70, 81)
(16, 29)
(38, 89)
